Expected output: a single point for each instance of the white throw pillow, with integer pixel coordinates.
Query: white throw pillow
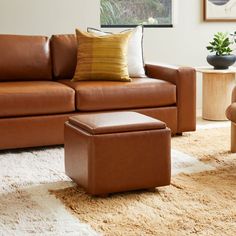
(135, 50)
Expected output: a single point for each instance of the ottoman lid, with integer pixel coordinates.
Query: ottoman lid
(114, 122)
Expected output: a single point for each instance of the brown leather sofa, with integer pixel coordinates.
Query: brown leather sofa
(37, 96)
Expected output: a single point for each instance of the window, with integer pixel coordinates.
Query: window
(126, 13)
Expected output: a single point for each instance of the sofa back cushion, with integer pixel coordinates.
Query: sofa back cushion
(64, 55)
(24, 58)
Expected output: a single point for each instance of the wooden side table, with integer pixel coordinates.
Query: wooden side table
(217, 86)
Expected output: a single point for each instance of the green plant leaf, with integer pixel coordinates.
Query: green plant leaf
(221, 43)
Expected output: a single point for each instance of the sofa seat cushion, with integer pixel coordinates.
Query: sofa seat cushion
(35, 98)
(107, 95)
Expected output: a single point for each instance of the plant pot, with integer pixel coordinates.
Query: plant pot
(219, 3)
(221, 62)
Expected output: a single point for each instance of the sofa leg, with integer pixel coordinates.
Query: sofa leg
(233, 137)
(152, 190)
(104, 195)
(179, 134)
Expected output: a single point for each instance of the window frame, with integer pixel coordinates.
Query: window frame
(133, 26)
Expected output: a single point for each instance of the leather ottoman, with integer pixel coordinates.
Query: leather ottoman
(118, 151)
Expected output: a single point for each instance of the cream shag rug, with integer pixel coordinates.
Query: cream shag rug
(38, 199)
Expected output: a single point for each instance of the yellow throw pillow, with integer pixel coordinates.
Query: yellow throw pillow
(102, 57)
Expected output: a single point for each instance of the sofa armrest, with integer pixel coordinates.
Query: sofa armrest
(231, 112)
(231, 109)
(185, 80)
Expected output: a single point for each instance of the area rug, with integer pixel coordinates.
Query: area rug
(36, 197)
(202, 203)
(26, 207)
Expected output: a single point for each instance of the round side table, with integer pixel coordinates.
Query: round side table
(217, 86)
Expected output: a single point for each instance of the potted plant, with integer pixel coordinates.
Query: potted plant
(221, 46)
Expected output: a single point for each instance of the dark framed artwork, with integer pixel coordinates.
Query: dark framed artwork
(219, 10)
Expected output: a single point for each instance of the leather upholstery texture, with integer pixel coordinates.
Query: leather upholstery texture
(35, 98)
(185, 80)
(231, 110)
(139, 93)
(22, 132)
(24, 58)
(35, 131)
(120, 161)
(166, 114)
(114, 122)
(231, 115)
(233, 98)
(64, 55)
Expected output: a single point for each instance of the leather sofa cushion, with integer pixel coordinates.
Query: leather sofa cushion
(64, 55)
(107, 95)
(24, 58)
(35, 98)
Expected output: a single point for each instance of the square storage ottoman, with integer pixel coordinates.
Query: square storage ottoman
(117, 151)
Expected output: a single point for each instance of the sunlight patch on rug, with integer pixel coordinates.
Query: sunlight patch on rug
(206, 124)
(184, 163)
(208, 145)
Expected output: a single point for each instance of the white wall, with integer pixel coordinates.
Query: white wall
(182, 45)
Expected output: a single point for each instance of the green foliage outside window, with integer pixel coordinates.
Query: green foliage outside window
(134, 12)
